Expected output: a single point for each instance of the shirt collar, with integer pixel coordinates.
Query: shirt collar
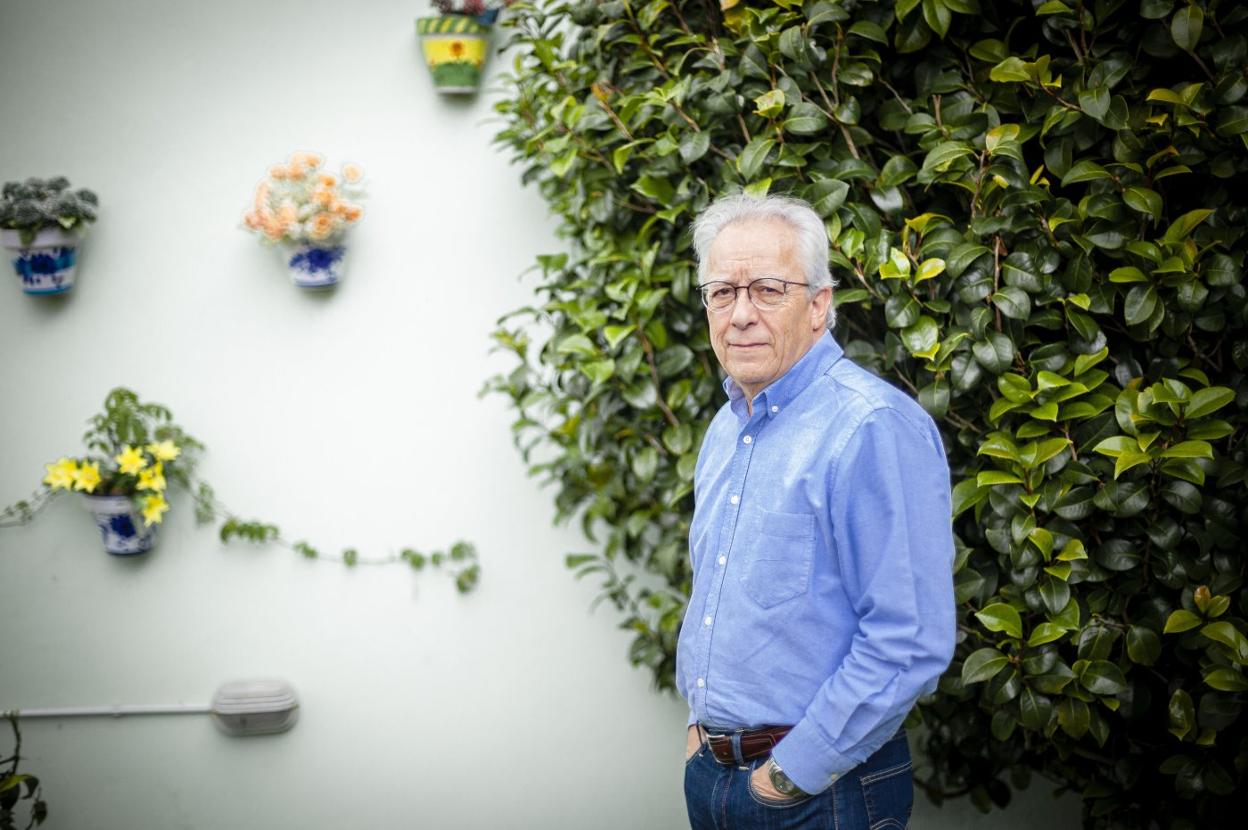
(776, 397)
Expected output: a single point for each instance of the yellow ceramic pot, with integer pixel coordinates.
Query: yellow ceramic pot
(455, 47)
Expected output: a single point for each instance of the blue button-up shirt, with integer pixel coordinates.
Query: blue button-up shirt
(822, 551)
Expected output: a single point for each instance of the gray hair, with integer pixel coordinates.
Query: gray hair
(812, 235)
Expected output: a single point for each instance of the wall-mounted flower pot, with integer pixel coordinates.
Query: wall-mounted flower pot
(48, 263)
(455, 47)
(315, 265)
(121, 525)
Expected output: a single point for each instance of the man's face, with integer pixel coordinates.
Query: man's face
(757, 347)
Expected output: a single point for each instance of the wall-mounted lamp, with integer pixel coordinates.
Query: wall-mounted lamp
(244, 707)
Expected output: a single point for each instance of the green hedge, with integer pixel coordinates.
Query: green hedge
(1038, 215)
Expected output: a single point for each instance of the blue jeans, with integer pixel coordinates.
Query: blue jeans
(875, 795)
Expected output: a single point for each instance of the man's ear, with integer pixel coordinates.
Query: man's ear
(819, 306)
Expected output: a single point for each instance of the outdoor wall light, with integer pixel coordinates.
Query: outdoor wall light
(244, 707)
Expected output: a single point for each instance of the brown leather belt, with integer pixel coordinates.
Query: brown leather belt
(755, 743)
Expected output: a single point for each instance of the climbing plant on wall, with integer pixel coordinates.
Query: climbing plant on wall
(136, 449)
(1037, 217)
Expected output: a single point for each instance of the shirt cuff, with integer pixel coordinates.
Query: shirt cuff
(810, 762)
(692, 719)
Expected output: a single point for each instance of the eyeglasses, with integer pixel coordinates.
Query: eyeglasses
(766, 293)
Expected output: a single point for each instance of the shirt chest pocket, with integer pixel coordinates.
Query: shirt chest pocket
(779, 558)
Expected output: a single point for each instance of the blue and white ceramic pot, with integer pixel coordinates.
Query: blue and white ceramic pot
(121, 525)
(48, 263)
(315, 264)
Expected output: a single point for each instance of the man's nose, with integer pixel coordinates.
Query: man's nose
(743, 310)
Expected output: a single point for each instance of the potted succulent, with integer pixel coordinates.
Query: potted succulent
(41, 224)
(134, 450)
(306, 211)
(456, 40)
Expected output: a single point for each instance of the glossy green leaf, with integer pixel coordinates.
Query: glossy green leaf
(1186, 26)
(1143, 645)
(1001, 617)
(1045, 633)
(1180, 621)
(983, 664)
(1207, 401)
(1102, 677)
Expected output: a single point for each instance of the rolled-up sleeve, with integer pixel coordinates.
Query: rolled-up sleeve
(893, 543)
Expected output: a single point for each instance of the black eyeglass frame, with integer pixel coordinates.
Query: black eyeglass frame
(702, 287)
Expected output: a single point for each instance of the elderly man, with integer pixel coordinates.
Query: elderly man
(822, 549)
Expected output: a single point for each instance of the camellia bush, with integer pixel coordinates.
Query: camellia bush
(1037, 212)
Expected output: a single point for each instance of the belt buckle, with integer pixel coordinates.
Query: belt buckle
(734, 739)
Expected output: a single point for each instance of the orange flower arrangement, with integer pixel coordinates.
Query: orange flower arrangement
(300, 202)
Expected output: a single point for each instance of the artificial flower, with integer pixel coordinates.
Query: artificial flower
(152, 478)
(61, 474)
(322, 226)
(153, 507)
(290, 202)
(131, 460)
(164, 451)
(87, 477)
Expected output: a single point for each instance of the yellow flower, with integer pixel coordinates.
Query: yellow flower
(352, 173)
(153, 478)
(164, 451)
(61, 474)
(131, 460)
(153, 508)
(87, 477)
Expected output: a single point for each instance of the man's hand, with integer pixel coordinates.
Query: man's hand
(760, 781)
(693, 740)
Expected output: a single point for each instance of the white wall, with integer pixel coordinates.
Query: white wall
(349, 419)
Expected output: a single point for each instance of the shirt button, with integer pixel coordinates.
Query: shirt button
(747, 439)
(735, 499)
(723, 560)
(701, 683)
(707, 621)
(775, 409)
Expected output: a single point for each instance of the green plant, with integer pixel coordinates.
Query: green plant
(35, 204)
(13, 783)
(139, 447)
(1038, 232)
(460, 559)
(135, 449)
(471, 8)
